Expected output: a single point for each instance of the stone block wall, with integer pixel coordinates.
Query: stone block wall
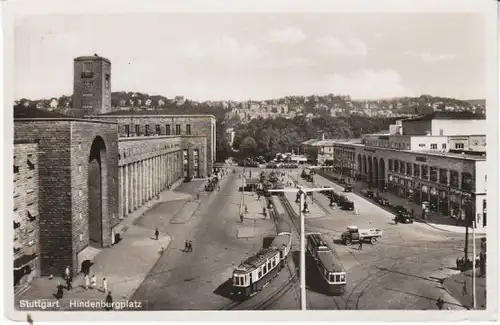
(25, 214)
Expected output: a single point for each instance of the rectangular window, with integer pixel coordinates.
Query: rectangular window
(434, 146)
(408, 169)
(443, 176)
(146, 130)
(425, 172)
(454, 183)
(421, 145)
(467, 182)
(16, 169)
(416, 170)
(137, 130)
(396, 166)
(188, 129)
(177, 129)
(158, 129)
(433, 174)
(459, 145)
(127, 130)
(401, 167)
(167, 128)
(390, 165)
(443, 146)
(87, 66)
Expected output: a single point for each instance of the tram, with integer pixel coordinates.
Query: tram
(328, 263)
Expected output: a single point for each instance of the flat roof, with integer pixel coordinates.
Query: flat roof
(280, 240)
(158, 113)
(447, 116)
(92, 58)
(330, 261)
(33, 114)
(430, 153)
(258, 259)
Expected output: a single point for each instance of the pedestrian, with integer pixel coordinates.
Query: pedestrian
(87, 281)
(190, 246)
(60, 291)
(93, 282)
(69, 283)
(440, 303)
(241, 217)
(360, 247)
(464, 288)
(104, 285)
(109, 302)
(67, 272)
(186, 246)
(197, 196)
(218, 187)
(157, 233)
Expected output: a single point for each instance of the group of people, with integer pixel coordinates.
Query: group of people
(89, 283)
(188, 246)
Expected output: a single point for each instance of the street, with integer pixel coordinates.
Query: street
(403, 270)
(200, 280)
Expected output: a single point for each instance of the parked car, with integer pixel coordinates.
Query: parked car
(403, 218)
(209, 188)
(367, 193)
(348, 188)
(383, 201)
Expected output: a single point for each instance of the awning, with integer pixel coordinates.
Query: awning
(20, 262)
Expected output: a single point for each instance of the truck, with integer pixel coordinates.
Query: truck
(355, 235)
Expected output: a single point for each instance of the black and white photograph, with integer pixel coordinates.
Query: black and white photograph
(218, 159)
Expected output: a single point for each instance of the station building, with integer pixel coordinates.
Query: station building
(80, 171)
(434, 163)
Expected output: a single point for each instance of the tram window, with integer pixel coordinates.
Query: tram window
(242, 280)
(265, 269)
(260, 273)
(332, 278)
(269, 265)
(337, 278)
(236, 280)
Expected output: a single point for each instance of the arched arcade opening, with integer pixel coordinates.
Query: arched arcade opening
(97, 191)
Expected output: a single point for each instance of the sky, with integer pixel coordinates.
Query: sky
(222, 56)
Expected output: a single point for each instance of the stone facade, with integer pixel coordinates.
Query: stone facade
(64, 151)
(92, 85)
(189, 127)
(25, 214)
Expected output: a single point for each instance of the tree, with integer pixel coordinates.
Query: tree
(248, 146)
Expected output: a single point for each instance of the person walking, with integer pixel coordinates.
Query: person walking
(69, 282)
(241, 217)
(440, 303)
(190, 246)
(109, 302)
(93, 282)
(186, 246)
(67, 273)
(87, 281)
(60, 291)
(157, 233)
(104, 285)
(360, 247)
(464, 288)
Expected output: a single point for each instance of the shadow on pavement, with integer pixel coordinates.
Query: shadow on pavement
(314, 279)
(296, 259)
(407, 274)
(425, 297)
(267, 241)
(225, 290)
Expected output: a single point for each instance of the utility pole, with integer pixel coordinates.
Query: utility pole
(474, 263)
(302, 251)
(466, 251)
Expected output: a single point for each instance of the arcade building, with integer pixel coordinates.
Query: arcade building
(81, 171)
(433, 159)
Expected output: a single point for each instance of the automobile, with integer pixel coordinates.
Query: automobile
(209, 188)
(187, 179)
(383, 201)
(348, 188)
(403, 218)
(367, 193)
